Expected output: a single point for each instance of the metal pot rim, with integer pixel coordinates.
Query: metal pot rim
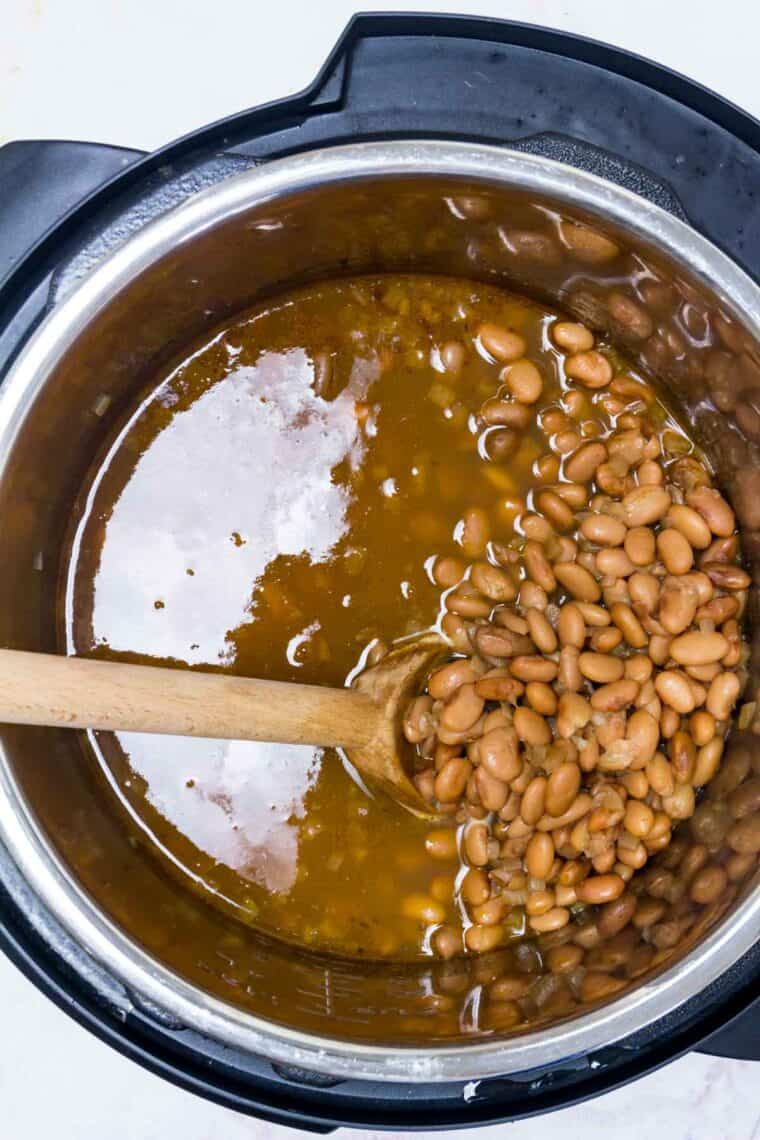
(45, 872)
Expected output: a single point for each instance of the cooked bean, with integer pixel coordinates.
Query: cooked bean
(604, 530)
(726, 576)
(718, 610)
(490, 913)
(644, 590)
(538, 902)
(500, 444)
(571, 336)
(506, 413)
(714, 510)
(571, 626)
(448, 572)
(680, 803)
(452, 779)
(674, 689)
(645, 505)
(524, 381)
(445, 681)
(553, 919)
(419, 721)
(600, 889)
(616, 696)
(531, 728)
(533, 668)
(532, 804)
(541, 631)
(744, 835)
(538, 567)
(475, 531)
(678, 605)
(539, 855)
(581, 466)
(589, 368)
(745, 800)
(562, 788)
(475, 887)
(698, 648)
(675, 551)
(639, 545)
(577, 581)
(452, 356)
(638, 818)
(541, 698)
(423, 909)
(604, 641)
(616, 915)
(499, 754)
(629, 625)
(498, 685)
(493, 582)
(580, 807)
(447, 942)
(593, 615)
(476, 844)
(464, 708)
(441, 843)
(481, 939)
(708, 884)
(495, 642)
(614, 563)
(500, 343)
(466, 602)
(573, 714)
(555, 509)
(600, 668)
(691, 525)
(683, 756)
(702, 727)
(643, 731)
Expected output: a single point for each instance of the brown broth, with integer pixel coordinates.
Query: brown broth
(272, 508)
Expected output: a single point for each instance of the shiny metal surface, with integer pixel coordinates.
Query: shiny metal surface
(691, 314)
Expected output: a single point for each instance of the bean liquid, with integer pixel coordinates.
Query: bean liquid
(276, 506)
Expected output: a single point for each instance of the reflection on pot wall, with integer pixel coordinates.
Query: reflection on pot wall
(664, 318)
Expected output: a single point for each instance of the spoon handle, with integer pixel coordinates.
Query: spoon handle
(74, 692)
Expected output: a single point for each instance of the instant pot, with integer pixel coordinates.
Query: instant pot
(101, 273)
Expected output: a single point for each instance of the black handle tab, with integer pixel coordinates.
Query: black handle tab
(42, 181)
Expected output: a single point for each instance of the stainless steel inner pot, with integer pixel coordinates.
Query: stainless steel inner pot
(675, 301)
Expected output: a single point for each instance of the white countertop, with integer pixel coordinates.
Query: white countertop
(139, 73)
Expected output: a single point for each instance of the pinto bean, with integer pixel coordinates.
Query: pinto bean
(493, 582)
(698, 648)
(714, 509)
(645, 505)
(498, 752)
(562, 788)
(674, 690)
(531, 728)
(500, 343)
(675, 551)
(604, 530)
(581, 466)
(571, 336)
(589, 368)
(577, 581)
(691, 525)
(639, 544)
(600, 889)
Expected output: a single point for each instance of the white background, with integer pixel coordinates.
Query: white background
(138, 73)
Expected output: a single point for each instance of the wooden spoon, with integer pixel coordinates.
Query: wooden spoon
(74, 692)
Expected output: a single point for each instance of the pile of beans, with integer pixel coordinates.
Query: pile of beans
(597, 659)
